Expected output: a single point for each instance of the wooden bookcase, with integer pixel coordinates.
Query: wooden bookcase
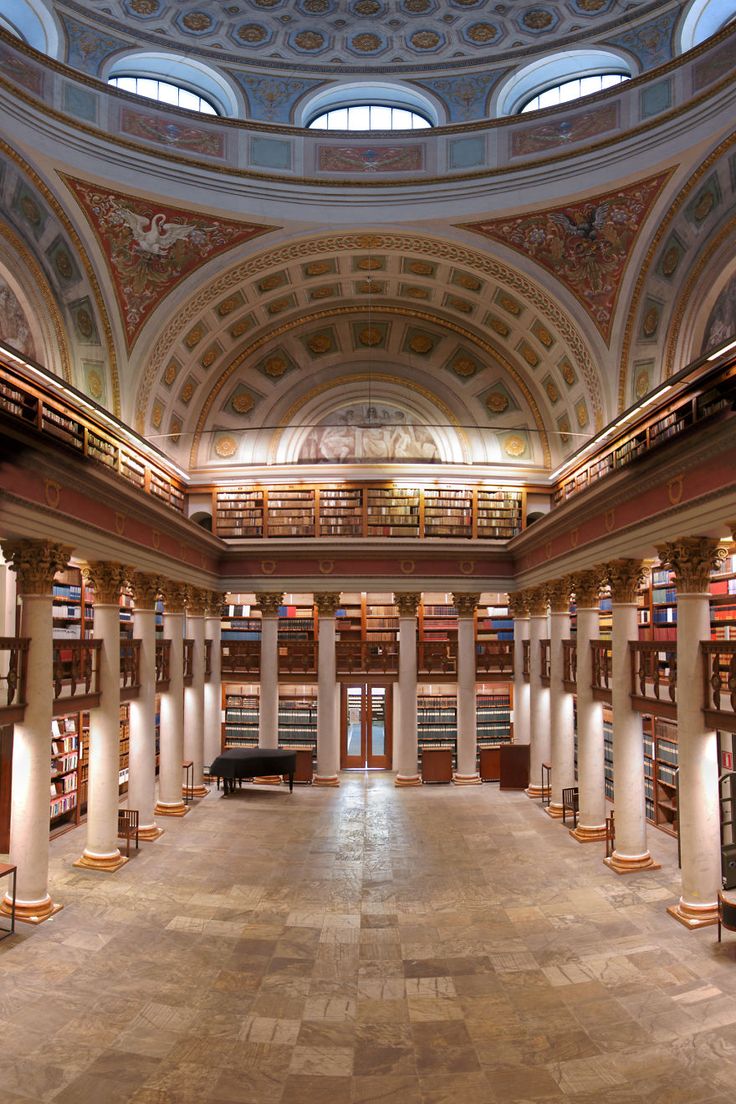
(66, 737)
(499, 513)
(290, 512)
(723, 600)
(381, 620)
(124, 769)
(350, 618)
(239, 513)
(493, 727)
(665, 777)
(241, 707)
(436, 728)
(727, 803)
(664, 605)
(240, 619)
(72, 608)
(608, 751)
(297, 619)
(341, 512)
(448, 512)
(298, 723)
(437, 620)
(392, 511)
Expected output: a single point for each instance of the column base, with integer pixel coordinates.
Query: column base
(466, 779)
(631, 864)
(535, 792)
(196, 791)
(694, 916)
(30, 912)
(174, 808)
(107, 863)
(554, 811)
(150, 832)
(325, 780)
(584, 834)
(407, 780)
(267, 780)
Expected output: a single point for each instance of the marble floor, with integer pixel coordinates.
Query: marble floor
(366, 944)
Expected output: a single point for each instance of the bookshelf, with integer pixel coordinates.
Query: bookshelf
(392, 512)
(124, 748)
(665, 775)
(608, 751)
(298, 719)
(663, 605)
(240, 619)
(493, 622)
(240, 704)
(157, 731)
(64, 772)
(72, 607)
(500, 513)
(381, 620)
(723, 600)
(291, 512)
(649, 770)
(437, 618)
(493, 728)
(239, 512)
(350, 618)
(340, 512)
(436, 729)
(448, 512)
(297, 619)
(727, 806)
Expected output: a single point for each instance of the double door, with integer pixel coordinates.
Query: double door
(365, 736)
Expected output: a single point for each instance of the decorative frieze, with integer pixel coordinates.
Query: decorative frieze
(407, 602)
(586, 586)
(624, 577)
(327, 603)
(692, 559)
(269, 602)
(35, 563)
(466, 604)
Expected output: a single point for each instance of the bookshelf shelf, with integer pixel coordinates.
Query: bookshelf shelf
(436, 731)
(241, 709)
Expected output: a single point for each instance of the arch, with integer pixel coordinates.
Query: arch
(193, 76)
(702, 19)
(382, 93)
(526, 82)
(33, 23)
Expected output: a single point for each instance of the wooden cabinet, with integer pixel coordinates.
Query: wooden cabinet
(514, 766)
(437, 765)
(489, 760)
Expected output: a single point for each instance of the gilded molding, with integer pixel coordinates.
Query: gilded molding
(625, 577)
(35, 563)
(327, 603)
(586, 586)
(407, 602)
(692, 559)
(107, 578)
(269, 601)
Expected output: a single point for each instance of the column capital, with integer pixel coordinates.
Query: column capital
(537, 601)
(145, 589)
(269, 602)
(465, 604)
(624, 578)
(519, 603)
(407, 602)
(327, 603)
(35, 563)
(174, 595)
(196, 601)
(587, 585)
(107, 578)
(558, 594)
(214, 601)
(692, 559)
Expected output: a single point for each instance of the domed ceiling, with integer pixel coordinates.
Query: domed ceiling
(358, 35)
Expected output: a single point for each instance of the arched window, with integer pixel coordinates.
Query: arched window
(560, 78)
(174, 80)
(704, 18)
(31, 22)
(364, 107)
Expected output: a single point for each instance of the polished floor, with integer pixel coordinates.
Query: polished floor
(366, 944)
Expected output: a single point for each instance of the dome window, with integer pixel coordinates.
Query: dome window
(180, 82)
(164, 92)
(560, 79)
(573, 89)
(362, 107)
(369, 117)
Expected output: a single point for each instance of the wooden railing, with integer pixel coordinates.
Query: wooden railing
(207, 660)
(570, 665)
(163, 664)
(544, 660)
(188, 660)
(76, 674)
(526, 668)
(241, 658)
(298, 657)
(130, 669)
(719, 683)
(654, 677)
(13, 664)
(437, 657)
(366, 657)
(494, 659)
(602, 676)
(32, 406)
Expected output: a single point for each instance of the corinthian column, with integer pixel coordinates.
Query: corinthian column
(631, 854)
(194, 694)
(142, 774)
(519, 610)
(35, 563)
(268, 714)
(328, 728)
(692, 559)
(406, 755)
(591, 753)
(171, 751)
(103, 786)
(562, 733)
(467, 723)
(539, 729)
(213, 688)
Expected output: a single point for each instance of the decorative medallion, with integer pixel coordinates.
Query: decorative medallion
(274, 366)
(421, 343)
(366, 42)
(194, 336)
(151, 248)
(145, 7)
(552, 390)
(226, 446)
(268, 567)
(650, 322)
(674, 490)
(367, 7)
(318, 268)
(52, 492)
(464, 367)
(407, 567)
(370, 336)
(416, 6)
(227, 306)
(94, 384)
(497, 402)
(320, 343)
(467, 567)
(498, 326)
(119, 523)
(641, 383)
(251, 33)
(514, 446)
(420, 268)
(542, 334)
(537, 19)
(568, 372)
(326, 567)
(581, 413)
(425, 40)
(482, 32)
(243, 402)
(157, 415)
(197, 21)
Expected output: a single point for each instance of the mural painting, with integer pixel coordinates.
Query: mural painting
(14, 326)
(368, 433)
(721, 325)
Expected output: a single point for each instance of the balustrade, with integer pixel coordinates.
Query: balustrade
(719, 683)
(76, 673)
(163, 664)
(495, 658)
(570, 665)
(602, 659)
(130, 668)
(298, 657)
(367, 657)
(437, 657)
(544, 671)
(526, 660)
(241, 658)
(207, 660)
(654, 677)
(188, 659)
(13, 663)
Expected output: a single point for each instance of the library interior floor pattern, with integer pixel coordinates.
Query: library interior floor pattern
(366, 944)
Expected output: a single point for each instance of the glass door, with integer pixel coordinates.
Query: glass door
(366, 727)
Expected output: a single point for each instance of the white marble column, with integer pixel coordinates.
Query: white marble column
(561, 715)
(467, 717)
(591, 752)
(519, 609)
(35, 563)
(539, 728)
(692, 559)
(631, 853)
(406, 755)
(268, 715)
(328, 728)
(142, 758)
(194, 693)
(103, 780)
(213, 687)
(171, 749)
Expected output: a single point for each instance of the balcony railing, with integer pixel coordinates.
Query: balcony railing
(163, 664)
(130, 669)
(495, 658)
(241, 658)
(188, 661)
(298, 657)
(76, 674)
(367, 657)
(719, 679)
(437, 657)
(13, 663)
(654, 677)
(207, 660)
(602, 660)
(544, 660)
(570, 665)
(526, 651)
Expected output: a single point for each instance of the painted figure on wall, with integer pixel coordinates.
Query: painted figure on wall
(721, 325)
(14, 326)
(363, 433)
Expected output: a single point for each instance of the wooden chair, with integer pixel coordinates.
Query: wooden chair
(128, 827)
(570, 804)
(726, 915)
